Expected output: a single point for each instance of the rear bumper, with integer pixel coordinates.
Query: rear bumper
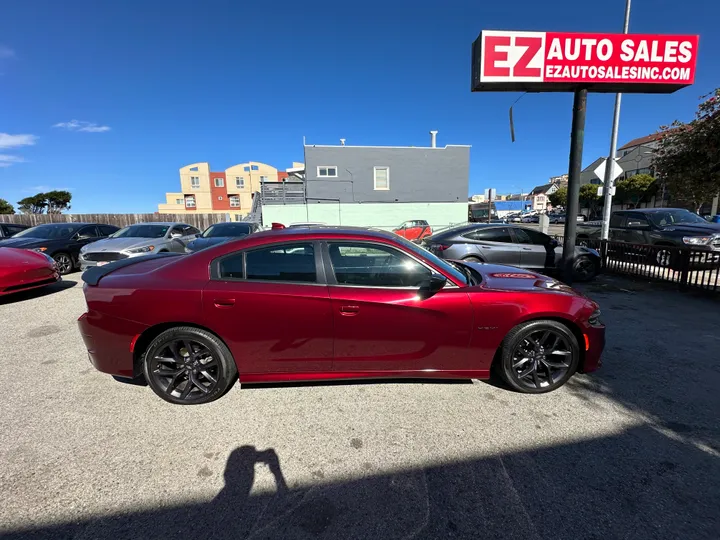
(109, 342)
(595, 340)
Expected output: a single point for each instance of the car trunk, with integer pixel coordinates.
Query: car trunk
(129, 267)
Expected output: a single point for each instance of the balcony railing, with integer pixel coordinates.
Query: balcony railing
(283, 192)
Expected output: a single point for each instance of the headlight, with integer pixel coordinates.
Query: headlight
(594, 319)
(145, 249)
(696, 240)
(48, 257)
(40, 249)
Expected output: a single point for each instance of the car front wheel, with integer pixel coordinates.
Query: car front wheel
(64, 263)
(585, 268)
(539, 356)
(189, 366)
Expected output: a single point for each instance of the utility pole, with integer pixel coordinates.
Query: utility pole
(573, 196)
(609, 181)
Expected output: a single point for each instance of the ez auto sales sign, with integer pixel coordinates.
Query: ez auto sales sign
(561, 61)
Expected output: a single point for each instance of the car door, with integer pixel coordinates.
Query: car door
(637, 228)
(381, 323)
(175, 239)
(537, 251)
(616, 231)
(107, 230)
(82, 237)
(271, 306)
(495, 245)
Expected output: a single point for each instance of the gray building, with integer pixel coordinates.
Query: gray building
(635, 157)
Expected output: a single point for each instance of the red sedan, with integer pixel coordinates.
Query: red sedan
(22, 269)
(331, 303)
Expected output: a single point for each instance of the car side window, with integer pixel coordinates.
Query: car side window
(88, 232)
(187, 231)
(637, 221)
(374, 265)
(494, 234)
(13, 229)
(616, 220)
(292, 262)
(527, 236)
(107, 230)
(177, 229)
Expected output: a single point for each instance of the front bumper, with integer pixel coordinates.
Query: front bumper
(85, 263)
(594, 344)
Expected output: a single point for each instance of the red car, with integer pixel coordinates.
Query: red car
(22, 269)
(414, 230)
(330, 303)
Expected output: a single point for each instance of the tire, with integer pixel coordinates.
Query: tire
(585, 268)
(169, 370)
(64, 262)
(472, 259)
(534, 375)
(664, 258)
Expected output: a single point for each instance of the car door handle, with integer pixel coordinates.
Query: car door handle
(349, 311)
(527, 249)
(224, 303)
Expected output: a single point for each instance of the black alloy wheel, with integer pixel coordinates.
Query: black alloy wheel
(664, 258)
(585, 268)
(539, 356)
(64, 263)
(188, 366)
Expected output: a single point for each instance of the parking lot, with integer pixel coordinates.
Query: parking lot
(632, 451)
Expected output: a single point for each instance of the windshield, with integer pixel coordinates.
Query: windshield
(446, 266)
(142, 230)
(226, 229)
(51, 232)
(672, 217)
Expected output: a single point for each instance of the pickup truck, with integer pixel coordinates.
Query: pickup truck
(672, 227)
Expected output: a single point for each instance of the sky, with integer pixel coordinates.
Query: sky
(109, 99)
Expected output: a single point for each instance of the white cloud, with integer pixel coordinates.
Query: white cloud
(12, 141)
(45, 189)
(6, 160)
(6, 52)
(81, 125)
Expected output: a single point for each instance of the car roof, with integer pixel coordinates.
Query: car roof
(328, 230)
(653, 210)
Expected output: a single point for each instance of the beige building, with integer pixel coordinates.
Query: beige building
(230, 191)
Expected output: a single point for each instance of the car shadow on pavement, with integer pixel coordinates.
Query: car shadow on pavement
(38, 293)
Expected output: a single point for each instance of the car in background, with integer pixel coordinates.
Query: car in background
(531, 218)
(414, 230)
(22, 269)
(138, 240)
(304, 224)
(514, 218)
(61, 241)
(714, 219)
(219, 233)
(368, 304)
(556, 218)
(511, 245)
(8, 230)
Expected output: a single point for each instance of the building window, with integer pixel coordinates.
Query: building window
(190, 201)
(178, 201)
(382, 177)
(234, 201)
(194, 182)
(246, 169)
(254, 167)
(327, 172)
(219, 182)
(263, 179)
(220, 198)
(240, 182)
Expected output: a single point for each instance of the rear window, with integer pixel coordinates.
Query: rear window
(495, 234)
(292, 262)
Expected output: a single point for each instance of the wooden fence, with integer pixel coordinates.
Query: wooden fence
(201, 221)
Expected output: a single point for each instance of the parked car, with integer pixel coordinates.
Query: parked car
(514, 218)
(715, 218)
(532, 218)
(671, 227)
(372, 305)
(305, 224)
(8, 230)
(414, 230)
(556, 218)
(138, 240)
(22, 269)
(219, 233)
(61, 241)
(511, 245)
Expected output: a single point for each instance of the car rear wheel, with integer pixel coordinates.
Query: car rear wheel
(585, 268)
(539, 356)
(189, 366)
(472, 259)
(64, 263)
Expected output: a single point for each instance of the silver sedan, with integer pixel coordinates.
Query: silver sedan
(138, 240)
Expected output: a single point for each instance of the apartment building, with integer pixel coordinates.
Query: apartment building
(230, 191)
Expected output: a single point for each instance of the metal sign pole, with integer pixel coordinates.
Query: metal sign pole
(577, 137)
(609, 181)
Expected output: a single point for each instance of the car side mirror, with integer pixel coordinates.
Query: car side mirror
(432, 285)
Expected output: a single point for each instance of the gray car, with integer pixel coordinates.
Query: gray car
(511, 245)
(138, 240)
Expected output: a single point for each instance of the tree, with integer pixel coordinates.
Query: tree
(688, 156)
(57, 201)
(33, 205)
(632, 190)
(589, 198)
(6, 207)
(559, 198)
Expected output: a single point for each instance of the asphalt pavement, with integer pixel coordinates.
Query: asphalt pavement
(632, 451)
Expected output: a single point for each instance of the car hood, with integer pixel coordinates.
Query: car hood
(694, 228)
(510, 278)
(202, 243)
(11, 258)
(28, 243)
(121, 244)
